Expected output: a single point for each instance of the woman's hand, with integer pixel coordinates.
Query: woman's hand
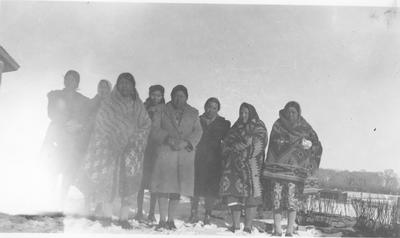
(172, 142)
(307, 144)
(182, 144)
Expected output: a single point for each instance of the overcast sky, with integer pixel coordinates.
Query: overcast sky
(342, 64)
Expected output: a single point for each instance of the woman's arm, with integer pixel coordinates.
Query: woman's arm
(194, 137)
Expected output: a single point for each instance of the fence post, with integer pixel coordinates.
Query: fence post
(397, 225)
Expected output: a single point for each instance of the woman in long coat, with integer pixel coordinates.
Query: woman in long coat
(113, 164)
(156, 97)
(177, 131)
(208, 160)
(293, 155)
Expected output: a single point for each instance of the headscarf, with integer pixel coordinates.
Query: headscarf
(130, 78)
(284, 112)
(253, 115)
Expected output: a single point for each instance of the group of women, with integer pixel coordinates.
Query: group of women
(114, 147)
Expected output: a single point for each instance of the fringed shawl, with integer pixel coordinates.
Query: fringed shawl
(287, 159)
(243, 151)
(114, 161)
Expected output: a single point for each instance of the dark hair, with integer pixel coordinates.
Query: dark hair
(131, 79)
(74, 74)
(127, 76)
(252, 111)
(156, 87)
(215, 100)
(294, 104)
(179, 88)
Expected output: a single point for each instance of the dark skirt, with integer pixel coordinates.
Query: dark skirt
(208, 170)
(148, 165)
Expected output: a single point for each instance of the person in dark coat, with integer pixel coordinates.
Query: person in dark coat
(63, 141)
(208, 161)
(156, 97)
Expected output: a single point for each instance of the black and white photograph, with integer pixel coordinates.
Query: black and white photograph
(172, 118)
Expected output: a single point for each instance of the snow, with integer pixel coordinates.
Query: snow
(75, 224)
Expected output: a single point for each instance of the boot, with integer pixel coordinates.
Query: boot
(151, 218)
(194, 218)
(171, 225)
(125, 225)
(105, 221)
(207, 217)
(162, 225)
(247, 229)
(138, 217)
(194, 211)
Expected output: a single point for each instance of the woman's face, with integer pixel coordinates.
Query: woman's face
(103, 89)
(292, 114)
(125, 87)
(211, 110)
(244, 114)
(179, 99)
(156, 97)
(71, 83)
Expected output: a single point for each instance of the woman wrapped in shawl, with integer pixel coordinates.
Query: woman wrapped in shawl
(113, 164)
(293, 155)
(243, 149)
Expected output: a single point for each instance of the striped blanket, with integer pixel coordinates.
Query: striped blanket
(113, 164)
(287, 159)
(243, 150)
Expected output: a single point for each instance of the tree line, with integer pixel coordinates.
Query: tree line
(386, 182)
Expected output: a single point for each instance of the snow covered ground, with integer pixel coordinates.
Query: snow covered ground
(73, 224)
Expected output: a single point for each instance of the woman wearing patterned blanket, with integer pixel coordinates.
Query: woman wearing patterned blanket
(243, 150)
(294, 155)
(113, 165)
